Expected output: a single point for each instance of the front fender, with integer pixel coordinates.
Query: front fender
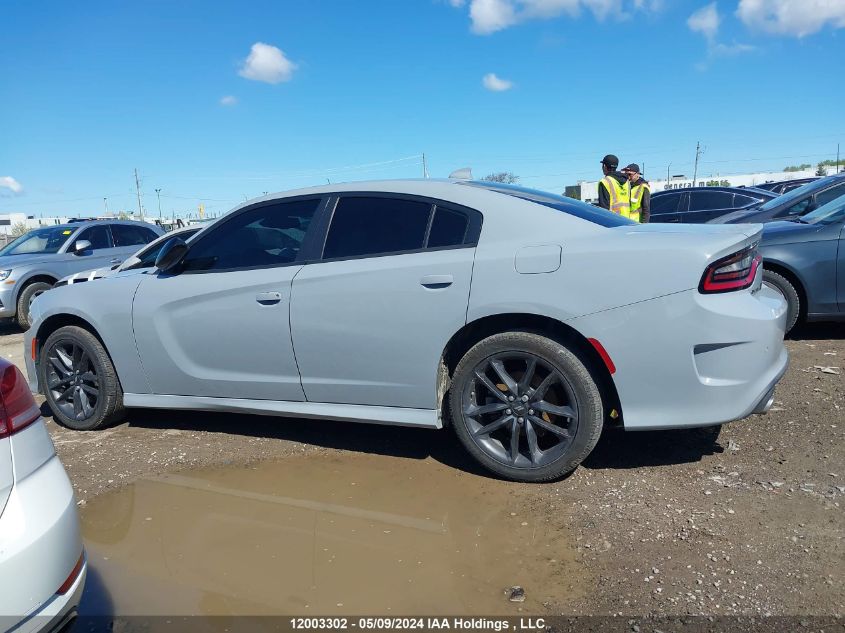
(103, 306)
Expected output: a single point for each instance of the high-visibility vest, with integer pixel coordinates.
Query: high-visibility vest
(637, 198)
(620, 196)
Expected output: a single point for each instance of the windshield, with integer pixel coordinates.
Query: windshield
(795, 195)
(831, 213)
(147, 258)
(579, 209)
(48, 240)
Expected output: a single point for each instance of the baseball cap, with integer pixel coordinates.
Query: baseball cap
(611, 161)
(633, 167)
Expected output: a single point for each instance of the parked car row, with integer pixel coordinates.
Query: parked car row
(34, 262)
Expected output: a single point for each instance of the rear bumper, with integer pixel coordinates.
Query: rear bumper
(689, 359)
(40, 545)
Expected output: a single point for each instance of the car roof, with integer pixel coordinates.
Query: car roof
(84, 223)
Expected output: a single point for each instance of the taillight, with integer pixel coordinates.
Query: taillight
(17, 406)
(74, 574)
(733, 272)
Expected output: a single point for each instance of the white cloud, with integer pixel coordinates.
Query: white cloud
(228, 100)
(489, 16)
(457, 3)
(7, 182)
(706, 21)
(792, 17)
(268, 64)
(496, 84)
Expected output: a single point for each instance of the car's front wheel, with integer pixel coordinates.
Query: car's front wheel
(79, 380)
(526, 407)
(27, 296)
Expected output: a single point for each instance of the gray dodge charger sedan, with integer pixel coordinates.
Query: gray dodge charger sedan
(525, 321)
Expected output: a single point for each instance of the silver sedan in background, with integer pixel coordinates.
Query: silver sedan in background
(524, 320)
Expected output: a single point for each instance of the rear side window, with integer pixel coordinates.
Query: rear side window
(448, 228)
(269, 235)
(706, 200)
(128, 235)
(372, 226)
(99, 236)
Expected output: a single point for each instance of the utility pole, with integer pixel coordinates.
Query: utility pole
(158, 193)
(106, 205)
(667, 172)
(138, 191)
(837, 159)
(425, 167)
(697, 154)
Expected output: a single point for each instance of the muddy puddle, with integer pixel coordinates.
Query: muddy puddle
(330, 534)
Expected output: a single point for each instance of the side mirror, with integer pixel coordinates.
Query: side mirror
(80, 246)
(171, 254)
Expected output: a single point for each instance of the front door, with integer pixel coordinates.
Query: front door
(370, 321)
(220, 327)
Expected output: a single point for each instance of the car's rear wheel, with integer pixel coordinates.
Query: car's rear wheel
(793, 300)
(79, 380)
(27, 296)
(525, 407)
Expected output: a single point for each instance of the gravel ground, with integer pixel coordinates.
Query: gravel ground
(676, 522)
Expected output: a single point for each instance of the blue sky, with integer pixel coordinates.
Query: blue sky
(358, 89)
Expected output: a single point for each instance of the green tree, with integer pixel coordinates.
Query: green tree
(507, 177)
(800, 167)
(821, 170)
(18, 229)
(123, 215)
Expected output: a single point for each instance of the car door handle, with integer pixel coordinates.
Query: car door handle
(437, 281)
(268, 298)
(674, 220)
(116, 261)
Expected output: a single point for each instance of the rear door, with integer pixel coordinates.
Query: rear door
(221, 326)
(372, 317)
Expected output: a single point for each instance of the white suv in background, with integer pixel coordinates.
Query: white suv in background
(42, 562)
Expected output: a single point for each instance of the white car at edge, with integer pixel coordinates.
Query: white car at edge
(42, 561)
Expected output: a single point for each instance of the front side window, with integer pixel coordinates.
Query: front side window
(46, 241)
(99, 236)
(269, 235)
(374, 226)
(795, 209)
(823, 197)
(128, 235)
(667, 203)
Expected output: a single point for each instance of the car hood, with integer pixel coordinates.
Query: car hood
(10, 261)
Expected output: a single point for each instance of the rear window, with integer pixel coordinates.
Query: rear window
(570, 206)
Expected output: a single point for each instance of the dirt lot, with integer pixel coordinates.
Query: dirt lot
(670, 523)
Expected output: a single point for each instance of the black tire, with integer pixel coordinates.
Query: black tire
(793, 299)
(74, 361)
(571, 388)
(25, 298)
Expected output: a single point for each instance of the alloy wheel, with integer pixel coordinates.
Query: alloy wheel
(520, 409)
(72, 380)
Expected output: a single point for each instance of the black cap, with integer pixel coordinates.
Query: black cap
(633, 167)
(611, 161)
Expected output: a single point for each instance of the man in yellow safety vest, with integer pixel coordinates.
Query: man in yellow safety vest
(614, 189)
(640, 194)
